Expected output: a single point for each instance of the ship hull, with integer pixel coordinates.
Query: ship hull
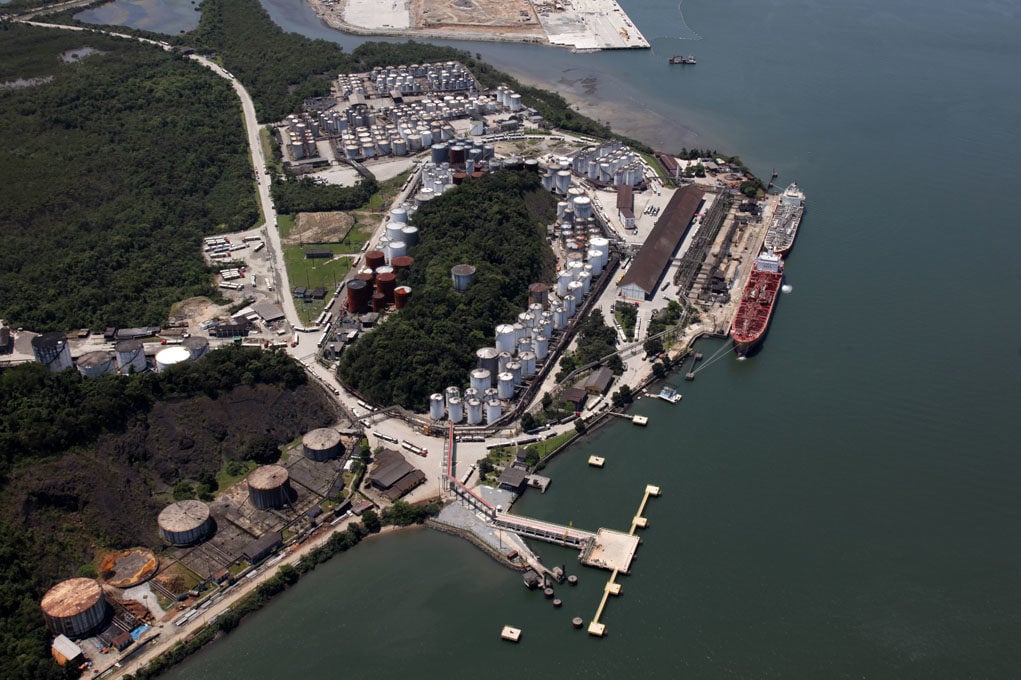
(758, 302)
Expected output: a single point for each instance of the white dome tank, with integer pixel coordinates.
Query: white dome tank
(527, 364)
(481, 378)
(519, 332)
(563, 278)
(505, 385)
(541, 347)
(451, 393)
(502, 359)
(576, 289)
(474, 408)
(399, 214)
(494, 411)
(582, 207)
(505, 338)
(409, 235)
(524, 345)
(560, 317)
(395, 230)
(514, 368)
(171, 356)
(571, 303)
(396, 249)
(455, 409)
(585, 279)
(595, 258)
(545, 324)
(95, 364)
(436, 406)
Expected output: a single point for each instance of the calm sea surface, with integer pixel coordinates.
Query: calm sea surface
(843, 504)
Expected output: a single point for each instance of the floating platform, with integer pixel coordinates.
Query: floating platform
(669, 394)
(596, 461)
(510, 633)
(640, 420)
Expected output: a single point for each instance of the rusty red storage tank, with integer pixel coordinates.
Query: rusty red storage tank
(375, 258)
(378, 302)
(401, 296)
(385, 284)
(402, 262)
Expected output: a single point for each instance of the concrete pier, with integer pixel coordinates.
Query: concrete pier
(595, 627)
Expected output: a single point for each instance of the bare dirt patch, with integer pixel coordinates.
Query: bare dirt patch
(322, 227)
(196, 310)
(128, 567)
(515, 16)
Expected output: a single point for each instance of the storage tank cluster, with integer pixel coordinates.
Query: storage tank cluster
(322, 444)
(299, 136)
(422, 78)
(51, 350)
(185, 522)
(75, 607)
(610, 163)
(509, 99)
(375, 286)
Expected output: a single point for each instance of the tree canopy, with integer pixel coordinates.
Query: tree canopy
(496, 224)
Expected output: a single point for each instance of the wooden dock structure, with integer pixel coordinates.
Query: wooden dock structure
(639, 521)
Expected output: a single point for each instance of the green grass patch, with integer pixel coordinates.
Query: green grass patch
(314, 273)
(547, 447)
(284, 224)
(233, 472)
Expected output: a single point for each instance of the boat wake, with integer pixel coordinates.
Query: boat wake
(787, 288)
(742, 358)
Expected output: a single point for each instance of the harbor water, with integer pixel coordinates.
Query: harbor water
(843, 503)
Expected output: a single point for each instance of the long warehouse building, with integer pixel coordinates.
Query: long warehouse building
(639, 281)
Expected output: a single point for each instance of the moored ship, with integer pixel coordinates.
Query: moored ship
(680, 59)
(757, 303)
(784, 227)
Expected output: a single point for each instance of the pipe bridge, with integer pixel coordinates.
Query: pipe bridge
(544, 531)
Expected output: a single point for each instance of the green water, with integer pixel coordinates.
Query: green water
(843, 504)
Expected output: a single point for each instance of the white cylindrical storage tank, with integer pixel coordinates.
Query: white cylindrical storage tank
(471, 393)
(196, 345)
(505, 338)
(600, 243)
(494, 411)
(490, 393)
(575, 269)
(519, 332)
(400, 147)
(514, 368)
(395, 230)
(95, 364)
(575, 289)
(582, 207)
(563, 279)
(474, 409)
(524, 345)
(561, 208)
(503, 359)
(396, 249)
(563, 181)
(409, 235)
(547, 181)
(75, 607)
(546, 324)
(451, 393)
(560, 317)
(515, 102)
(527, 319)
(595, 258)
(541, 347)
(528, 362)
(436, 406)
(488, 359)
(481, 379)
(399, 214)
(171, 356)
(185, 522)
(585, 279)
(130, 356)
(269, 486)
(536, 310)
(505, 385)
(455, 410)
(322, 444)
(571, 304)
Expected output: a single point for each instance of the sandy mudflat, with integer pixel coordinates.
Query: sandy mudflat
(370, 14)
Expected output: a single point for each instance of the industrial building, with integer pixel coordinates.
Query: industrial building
(185, 522)
(75, 607)
(269, 487)
(642, 277)
(51, 350)
(393, 475)
(263, 547)
(322, 444)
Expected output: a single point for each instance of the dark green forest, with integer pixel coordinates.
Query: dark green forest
(595, 341)
(495, 223)
(47, 419)
(110, 173)
(291, 196)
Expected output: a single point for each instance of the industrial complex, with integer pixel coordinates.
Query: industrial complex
(630, 229)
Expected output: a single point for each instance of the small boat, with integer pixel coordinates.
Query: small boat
(596, 461)
(680, 59)
(670, 394)
(510, 633)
